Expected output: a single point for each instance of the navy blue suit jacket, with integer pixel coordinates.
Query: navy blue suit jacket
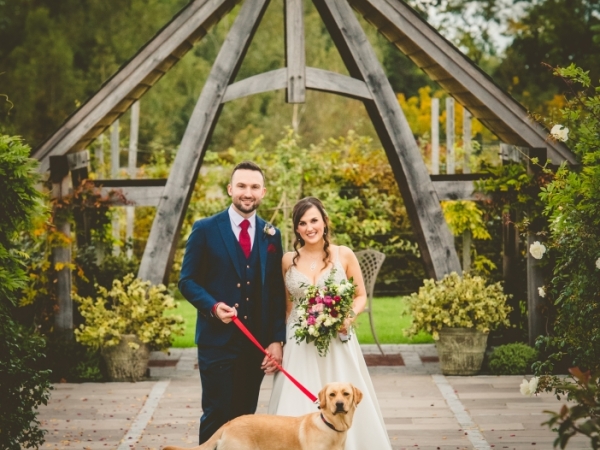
(210, 273)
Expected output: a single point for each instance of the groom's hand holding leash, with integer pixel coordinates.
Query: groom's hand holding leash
(224, 312)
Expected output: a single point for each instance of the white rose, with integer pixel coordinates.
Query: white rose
(533, 384)
(560, 132)
(541, 292)
(524, 388)
(328, 322)
(537, 250)
(598, 263)
(528, 388)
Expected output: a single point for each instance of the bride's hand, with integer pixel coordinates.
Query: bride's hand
(347, 325)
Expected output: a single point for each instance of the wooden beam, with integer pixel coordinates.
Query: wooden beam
(164, 235)
(465, 75)
(115, 95)
(316, 79)
(433, 235)
(138, 192)
(295, 54)
(61, 254)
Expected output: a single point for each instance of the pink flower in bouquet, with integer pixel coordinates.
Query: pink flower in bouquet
(333, 313)
(312, 301)
(337, 299)
(318, 307)
(311, 320)
(327, 300)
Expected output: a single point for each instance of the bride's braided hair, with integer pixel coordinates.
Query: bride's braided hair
(300, 209)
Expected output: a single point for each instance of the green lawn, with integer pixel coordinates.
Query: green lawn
(389, 324)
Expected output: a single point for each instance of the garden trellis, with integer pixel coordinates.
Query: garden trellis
(367, 82)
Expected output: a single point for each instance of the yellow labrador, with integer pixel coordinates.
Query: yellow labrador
(324, 430)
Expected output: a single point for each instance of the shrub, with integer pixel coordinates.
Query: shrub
(512, 359)
(23, 386)
(132, 306)
(455, 301)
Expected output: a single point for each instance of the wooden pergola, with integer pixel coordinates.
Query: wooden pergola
(367, 82)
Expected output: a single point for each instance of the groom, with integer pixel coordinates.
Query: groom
(232, 267)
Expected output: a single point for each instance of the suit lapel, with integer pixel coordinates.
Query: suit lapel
(260, 239)
(230, 241)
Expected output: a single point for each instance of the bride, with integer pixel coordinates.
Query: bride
(312, 262)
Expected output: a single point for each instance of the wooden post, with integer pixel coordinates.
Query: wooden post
(535, 277)
(467, 240)
(450, 158)
(435, 136)
(61, 255)
(422, 203)
(467, 140)
(164, 235)
(99, 156)
(295, 58)
(467, 236)
(132, 170)
(115, 166)
(510, 246)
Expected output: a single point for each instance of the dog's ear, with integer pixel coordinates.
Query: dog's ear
(322, 397)
(358, 395)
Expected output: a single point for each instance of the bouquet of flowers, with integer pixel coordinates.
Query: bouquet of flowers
(322, 312)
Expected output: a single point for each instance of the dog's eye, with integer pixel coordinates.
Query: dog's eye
(346, 394)
(332, 394)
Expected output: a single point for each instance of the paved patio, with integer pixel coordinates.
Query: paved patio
(422, 408)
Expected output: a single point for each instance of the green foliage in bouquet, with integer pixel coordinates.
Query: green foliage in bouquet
(323, 311)
(457, 302)
(131, 306)
(512, 359)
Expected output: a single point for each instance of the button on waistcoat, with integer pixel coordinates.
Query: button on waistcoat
(249, 306)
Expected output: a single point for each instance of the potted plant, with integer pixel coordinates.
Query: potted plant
(459, 312)
(125, 323)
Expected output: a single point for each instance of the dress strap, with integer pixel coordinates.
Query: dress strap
(337, 255)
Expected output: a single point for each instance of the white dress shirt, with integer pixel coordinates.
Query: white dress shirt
(236, 220)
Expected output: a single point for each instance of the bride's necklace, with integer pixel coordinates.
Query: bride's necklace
(313, 264)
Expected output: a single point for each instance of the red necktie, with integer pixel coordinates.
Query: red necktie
(245, 238)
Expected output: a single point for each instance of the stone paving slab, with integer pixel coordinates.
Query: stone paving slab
(418, 412)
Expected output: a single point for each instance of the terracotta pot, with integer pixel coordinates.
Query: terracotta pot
(461, 350)
(125, 363)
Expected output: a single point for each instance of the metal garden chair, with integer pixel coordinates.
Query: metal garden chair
(370, 262)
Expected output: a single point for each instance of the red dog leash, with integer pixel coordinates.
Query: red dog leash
(245, 330)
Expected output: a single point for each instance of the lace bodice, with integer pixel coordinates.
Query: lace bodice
(296, 283)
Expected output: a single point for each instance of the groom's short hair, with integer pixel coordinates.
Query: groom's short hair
(248, 165)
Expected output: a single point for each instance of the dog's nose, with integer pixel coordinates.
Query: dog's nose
(339, 406)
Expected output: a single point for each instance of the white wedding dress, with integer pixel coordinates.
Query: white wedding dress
(344, 362)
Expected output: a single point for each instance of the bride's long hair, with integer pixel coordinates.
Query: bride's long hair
(300, 209)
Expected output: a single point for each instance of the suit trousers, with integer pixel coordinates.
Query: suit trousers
(230, 385)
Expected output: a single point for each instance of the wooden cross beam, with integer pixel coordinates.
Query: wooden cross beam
(432, 232)
(160, 248)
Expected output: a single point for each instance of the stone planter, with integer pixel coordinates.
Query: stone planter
(125, 363)
(461, 350)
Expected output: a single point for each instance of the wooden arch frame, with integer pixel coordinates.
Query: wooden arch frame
(367, 82)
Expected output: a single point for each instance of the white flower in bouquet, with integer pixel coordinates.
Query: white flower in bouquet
(537, 250)
(541, 292)
(560, 132)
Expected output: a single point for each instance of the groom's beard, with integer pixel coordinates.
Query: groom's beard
(246, 209)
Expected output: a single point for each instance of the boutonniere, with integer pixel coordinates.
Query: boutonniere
(269, 229)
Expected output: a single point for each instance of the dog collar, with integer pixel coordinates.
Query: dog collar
(329, 424)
